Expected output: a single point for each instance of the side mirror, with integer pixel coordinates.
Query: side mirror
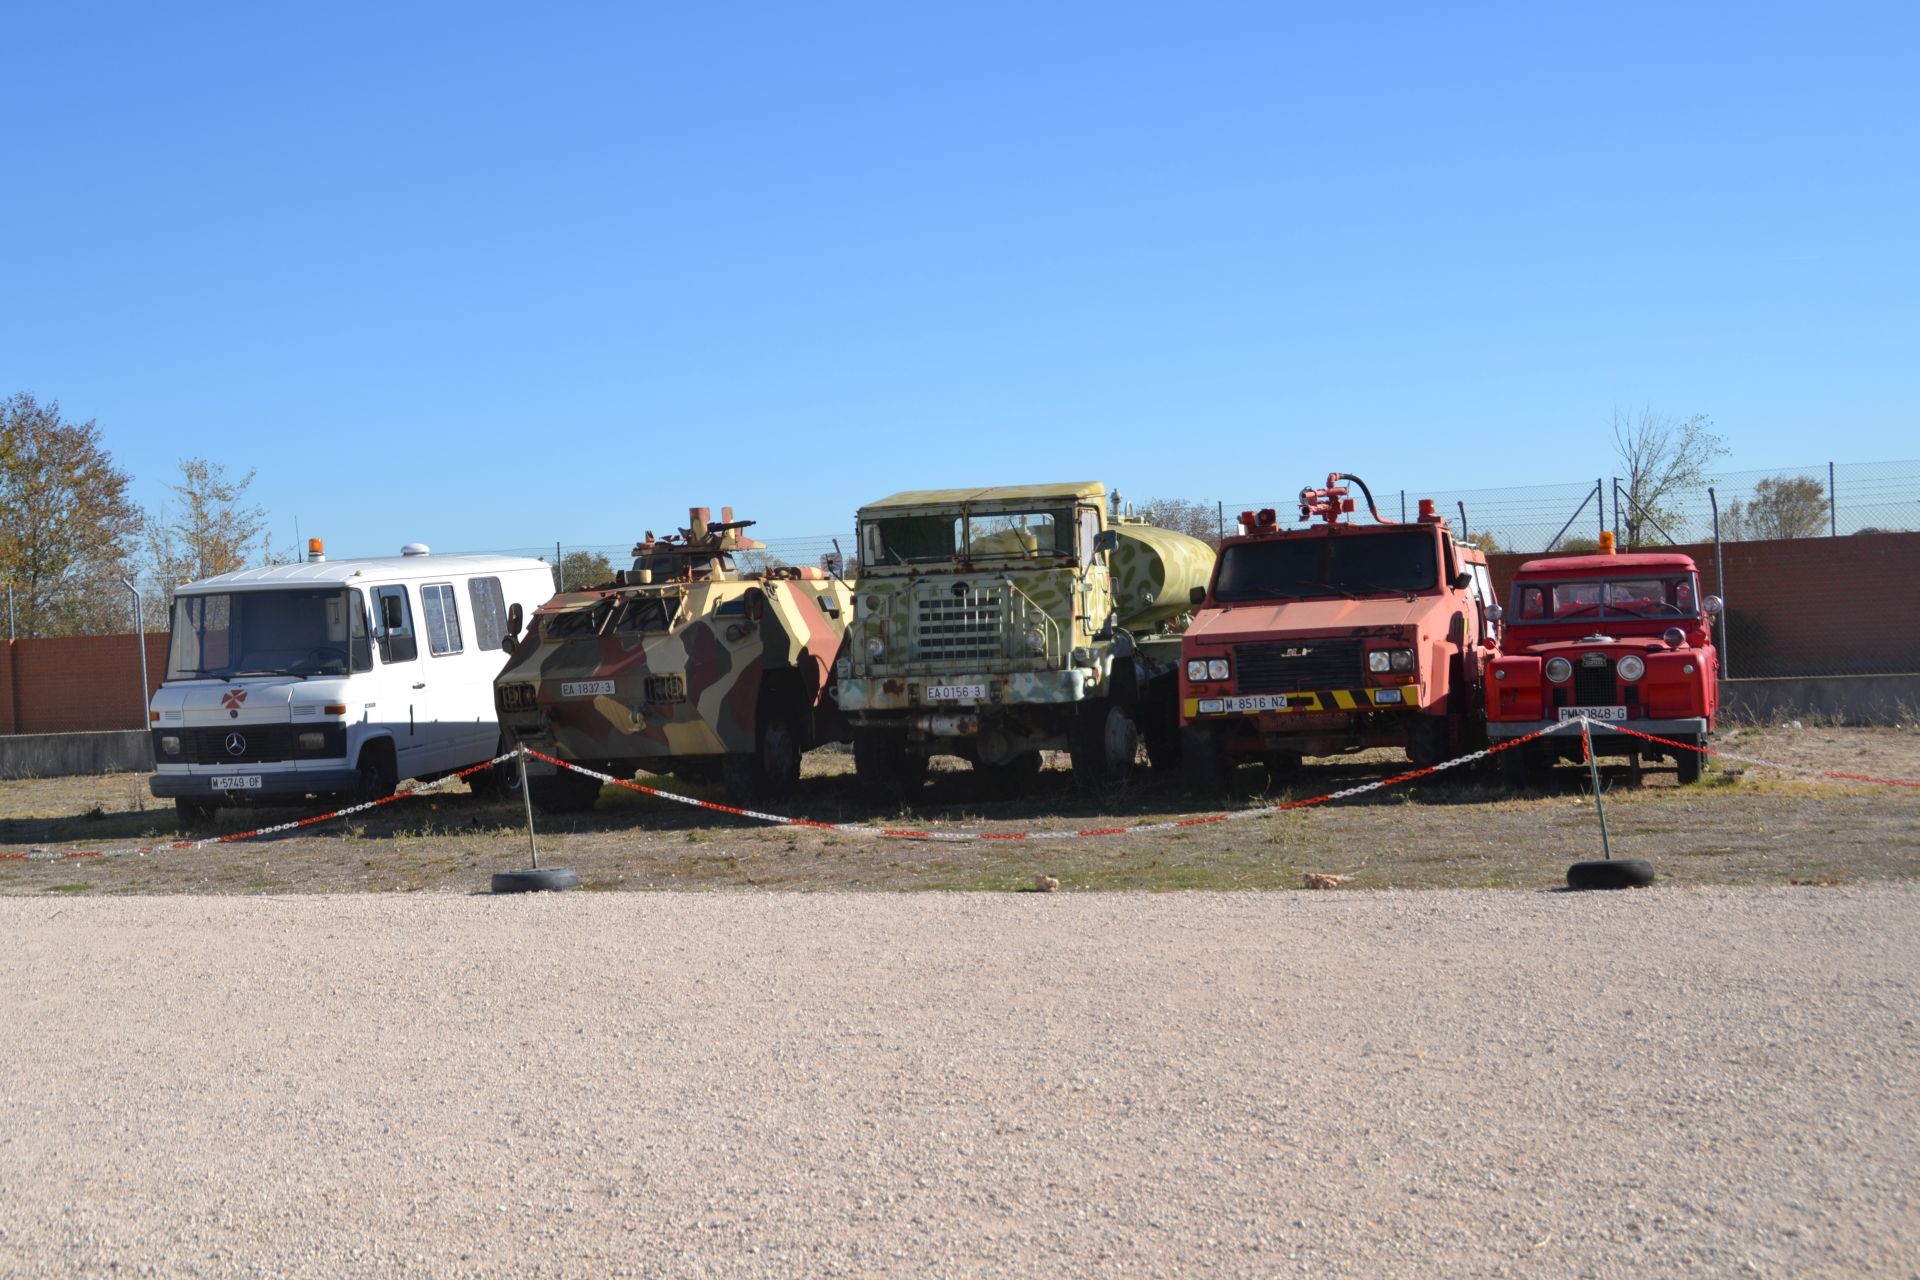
(1196, 595)
(1462, 580)
(1106, 540)
(390, 612)
(1496, 613)
(1713, 605)
(516, 618)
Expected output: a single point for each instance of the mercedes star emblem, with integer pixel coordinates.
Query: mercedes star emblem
(236, 744)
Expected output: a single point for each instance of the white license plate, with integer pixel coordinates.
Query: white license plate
(1593, 713)
(1264, 702)
(235, 782)
(586, 688)
(956, 693)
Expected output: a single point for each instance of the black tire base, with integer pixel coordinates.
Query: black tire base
(1616, 873)
(535, 880)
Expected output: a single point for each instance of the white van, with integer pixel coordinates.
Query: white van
(339, 676)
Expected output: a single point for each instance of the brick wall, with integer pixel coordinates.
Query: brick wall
(1808, 606)
(77, 683)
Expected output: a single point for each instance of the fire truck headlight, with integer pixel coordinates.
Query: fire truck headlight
(1217, 669)
(1559, 670)
(1400, 659)
(1196, 668)
(1378, 662)
(1632, 667)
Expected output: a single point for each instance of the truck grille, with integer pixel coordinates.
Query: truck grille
(1593, 687)
(962, 628)
(1297, 667)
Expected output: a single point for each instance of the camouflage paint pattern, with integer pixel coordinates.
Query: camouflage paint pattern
(597, 677)
(974, 624)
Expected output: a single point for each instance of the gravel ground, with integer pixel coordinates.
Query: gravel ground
(1710, 1081)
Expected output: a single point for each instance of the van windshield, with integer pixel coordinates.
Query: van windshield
(294, 632)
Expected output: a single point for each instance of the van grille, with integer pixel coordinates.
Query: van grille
(961, 628)
(1297, 666)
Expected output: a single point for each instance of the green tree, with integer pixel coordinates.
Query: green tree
(1665, 459)
(1781, 507)
(67, 527)
(578, 570)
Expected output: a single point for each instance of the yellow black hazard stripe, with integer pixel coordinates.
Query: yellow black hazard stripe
(1406, 695)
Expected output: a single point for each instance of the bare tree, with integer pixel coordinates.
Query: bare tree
(1664, 459)
(209, 531)
(1781, 507)
(1183, 515)
(67, 526)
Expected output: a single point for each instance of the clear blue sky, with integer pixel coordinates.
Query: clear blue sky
(491, 276)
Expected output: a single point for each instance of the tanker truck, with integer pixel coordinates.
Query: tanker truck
(994, 624)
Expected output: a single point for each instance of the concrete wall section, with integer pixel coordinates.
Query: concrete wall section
(1854, 699)
(50, 755)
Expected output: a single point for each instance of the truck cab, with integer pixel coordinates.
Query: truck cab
(1335, 638)
(1617, 639)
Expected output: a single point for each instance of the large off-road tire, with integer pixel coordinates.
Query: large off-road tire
(888, 769)
(535, 880)
(1687, 763)
(1614, 873)
(193, 813)
(1102, 741)
(771, 771)
(1203, 759)
(1427, 741)
(1283, 768)
(1160, 723)
(378, 775)
(563, 792)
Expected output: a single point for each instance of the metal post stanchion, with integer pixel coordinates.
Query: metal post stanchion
(536, 878)
(1606, 872)
(526, 795)
(1599, 802)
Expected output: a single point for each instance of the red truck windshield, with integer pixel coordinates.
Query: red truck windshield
(1318, 567)
(1670, 596)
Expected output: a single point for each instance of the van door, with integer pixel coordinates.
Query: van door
(404, 683)
(459, 681)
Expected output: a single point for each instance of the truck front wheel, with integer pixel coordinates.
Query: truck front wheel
(769, 773)
(1102, 742)
(1203, 759)
(1688, 760)
(887, 769)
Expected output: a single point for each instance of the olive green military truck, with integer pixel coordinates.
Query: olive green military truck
(993, 624)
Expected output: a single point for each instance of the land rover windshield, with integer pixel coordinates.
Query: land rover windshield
(1670, 595)
(1313, 568)
(976, 536)
(293, 632)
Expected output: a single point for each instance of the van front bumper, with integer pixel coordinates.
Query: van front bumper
(199, 786)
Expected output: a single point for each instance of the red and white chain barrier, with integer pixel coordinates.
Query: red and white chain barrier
(909, 833)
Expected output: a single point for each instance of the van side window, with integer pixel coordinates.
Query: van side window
(393, 624)
(359, 646)
(437, 603)
(489, 612)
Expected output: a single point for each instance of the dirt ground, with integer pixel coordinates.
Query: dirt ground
(1743, 824)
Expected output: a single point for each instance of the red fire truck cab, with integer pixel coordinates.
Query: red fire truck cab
(1335, 638)
(1619, 639)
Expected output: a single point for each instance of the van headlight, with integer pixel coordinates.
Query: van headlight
(170, 743)
(1632, 667)
(312, 741)
(1559, 670)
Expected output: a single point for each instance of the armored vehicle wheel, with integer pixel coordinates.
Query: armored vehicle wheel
(1203, 759)
(887, 768)
(563, 792)
(1102, 742)
(378, 777)
(1688, 763)
(498, 781)
(769, 773)
(193, 813)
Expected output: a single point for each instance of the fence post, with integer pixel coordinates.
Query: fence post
(1616, 515)
(1833, 506)
(1403, 506)
(1600, 493)
(1719, 583)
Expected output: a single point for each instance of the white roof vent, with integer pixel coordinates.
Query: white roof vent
(414, 549)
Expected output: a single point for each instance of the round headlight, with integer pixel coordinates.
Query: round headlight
(1632, 667)
(1559, 670)
(1196, 669)
(875, 646)
(1674, 637)
(1035, 640)
(1402, 659)
(1216, 669)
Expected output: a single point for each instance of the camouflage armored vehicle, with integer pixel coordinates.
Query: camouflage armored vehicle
(683, 664)
(992, 624)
